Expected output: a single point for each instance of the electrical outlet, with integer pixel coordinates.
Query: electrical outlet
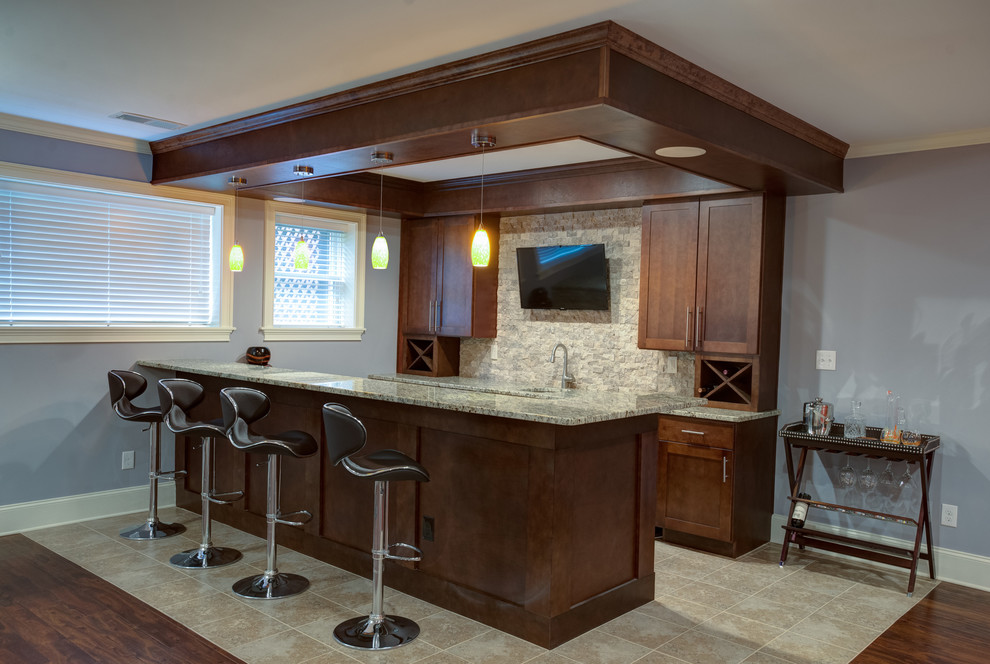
(949, 515)
(494, 350)
(825, 360)
(671, 365)
(429, 529)
(127, 460)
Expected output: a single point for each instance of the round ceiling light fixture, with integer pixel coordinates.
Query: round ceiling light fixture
(680, 152)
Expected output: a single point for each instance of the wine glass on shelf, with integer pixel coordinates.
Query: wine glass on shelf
(886, 480)
(847, 475)
(867, 478)
(906, 477)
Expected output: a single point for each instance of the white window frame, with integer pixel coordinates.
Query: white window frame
(332, 218)
(124, 334)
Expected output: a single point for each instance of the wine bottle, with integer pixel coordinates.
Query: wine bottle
(800, 511)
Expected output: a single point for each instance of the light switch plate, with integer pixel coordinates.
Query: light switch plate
(127, 460)
(670, 366)
(825, 360)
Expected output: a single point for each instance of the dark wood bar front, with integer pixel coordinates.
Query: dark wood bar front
(541, 530)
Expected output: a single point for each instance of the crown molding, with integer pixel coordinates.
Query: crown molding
(75, 134)
(954, 139)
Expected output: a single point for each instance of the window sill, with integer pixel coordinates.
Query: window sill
(82, 335)
(312, 334)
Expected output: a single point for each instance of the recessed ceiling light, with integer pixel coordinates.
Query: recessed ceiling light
(680, 152)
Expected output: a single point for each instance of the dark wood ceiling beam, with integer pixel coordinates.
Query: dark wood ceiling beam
(602, 82)
(612, 183)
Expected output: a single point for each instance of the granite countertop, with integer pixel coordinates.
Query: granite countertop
(723, 414)
(540, 404)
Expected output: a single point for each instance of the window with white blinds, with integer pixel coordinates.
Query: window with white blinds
(84, 259)
(320, 297)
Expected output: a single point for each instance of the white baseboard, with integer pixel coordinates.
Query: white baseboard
(22, 517)
(966, 569)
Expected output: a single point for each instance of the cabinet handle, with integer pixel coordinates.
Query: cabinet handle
(697, 433)
(697, 329)
(436, 324)
(687, 330)
(725, 471)
(433, 316)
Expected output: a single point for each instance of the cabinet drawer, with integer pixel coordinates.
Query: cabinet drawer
(697, 432)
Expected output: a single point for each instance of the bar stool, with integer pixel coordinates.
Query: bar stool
(243, 406)
(178, 396)
(125, 386)
(346, 436)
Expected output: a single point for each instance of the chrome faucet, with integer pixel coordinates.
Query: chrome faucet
(564, 377)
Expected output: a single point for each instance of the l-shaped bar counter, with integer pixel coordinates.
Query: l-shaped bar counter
(538, 519)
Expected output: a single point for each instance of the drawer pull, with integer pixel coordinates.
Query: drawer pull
(697, 433)
(725, 471)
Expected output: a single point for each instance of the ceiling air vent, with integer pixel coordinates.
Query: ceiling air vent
(147, 120)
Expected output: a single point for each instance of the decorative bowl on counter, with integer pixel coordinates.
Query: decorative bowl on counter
(259, 355)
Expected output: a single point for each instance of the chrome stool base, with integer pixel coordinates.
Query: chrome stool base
(264, 586)
(390, 632)
(152, 531)
(214, 556)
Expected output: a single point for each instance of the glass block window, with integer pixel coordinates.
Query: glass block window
(80, 258)
(316, 265)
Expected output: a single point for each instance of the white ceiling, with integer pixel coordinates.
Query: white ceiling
(882, 75)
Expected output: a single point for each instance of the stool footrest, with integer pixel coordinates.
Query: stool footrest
(412, 559)
(282, 518)
(225, 498)
(176, 474)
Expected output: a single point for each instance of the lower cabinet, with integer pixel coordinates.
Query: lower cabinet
(715, 483)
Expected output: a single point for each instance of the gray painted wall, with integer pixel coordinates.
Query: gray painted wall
(58, 436)
(894, 275)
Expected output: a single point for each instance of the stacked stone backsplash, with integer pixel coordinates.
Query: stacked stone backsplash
(602, 345)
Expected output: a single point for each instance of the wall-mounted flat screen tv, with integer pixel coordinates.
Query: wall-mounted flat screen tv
(563, 277)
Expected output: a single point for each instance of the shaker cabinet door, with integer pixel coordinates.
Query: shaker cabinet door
(695, 490)
(419, 260)
(668, 269)
(730, 260)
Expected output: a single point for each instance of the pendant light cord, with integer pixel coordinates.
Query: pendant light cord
(481, 216)
(381, 199)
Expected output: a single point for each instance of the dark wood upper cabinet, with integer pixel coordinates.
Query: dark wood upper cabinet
(704, 275)
(442, 294)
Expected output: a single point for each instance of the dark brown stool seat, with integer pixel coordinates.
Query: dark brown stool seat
(346, 436)
(177, 397)
(242, 407)
(124, 387)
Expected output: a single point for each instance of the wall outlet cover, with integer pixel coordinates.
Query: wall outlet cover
(825, 360)
(127, 460)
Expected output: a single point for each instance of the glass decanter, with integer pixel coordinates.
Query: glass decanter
(891, 431)
(855, 424)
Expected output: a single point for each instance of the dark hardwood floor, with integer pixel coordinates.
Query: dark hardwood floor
(52, 610)
(951, 625)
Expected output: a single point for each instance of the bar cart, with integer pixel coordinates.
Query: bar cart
(796, 438)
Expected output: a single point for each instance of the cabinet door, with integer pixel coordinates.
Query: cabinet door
(419, 258)
(695, 490)
(730, 260)
(456, 277)
(668, 269)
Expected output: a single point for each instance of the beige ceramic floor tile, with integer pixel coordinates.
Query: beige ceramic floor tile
(798, 592)
(447, 658)
(445, 629)
(300, 609)
(415, 651)
(709, 595)
(859, 613)
(241, 628)
(494, 647)
(742, 631)
(747, 578)
(699, 648)
(769, 612)
(657, 657)
(289, 647)
(692, 566)
(678, 611)
(763, 658)
(136, 579)
(200, 610)
(120, 562)
(65, 538)
(664, 583)
(799, 649)
(851, 636)
(642, 629)
(597, 647)
(164, 594)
